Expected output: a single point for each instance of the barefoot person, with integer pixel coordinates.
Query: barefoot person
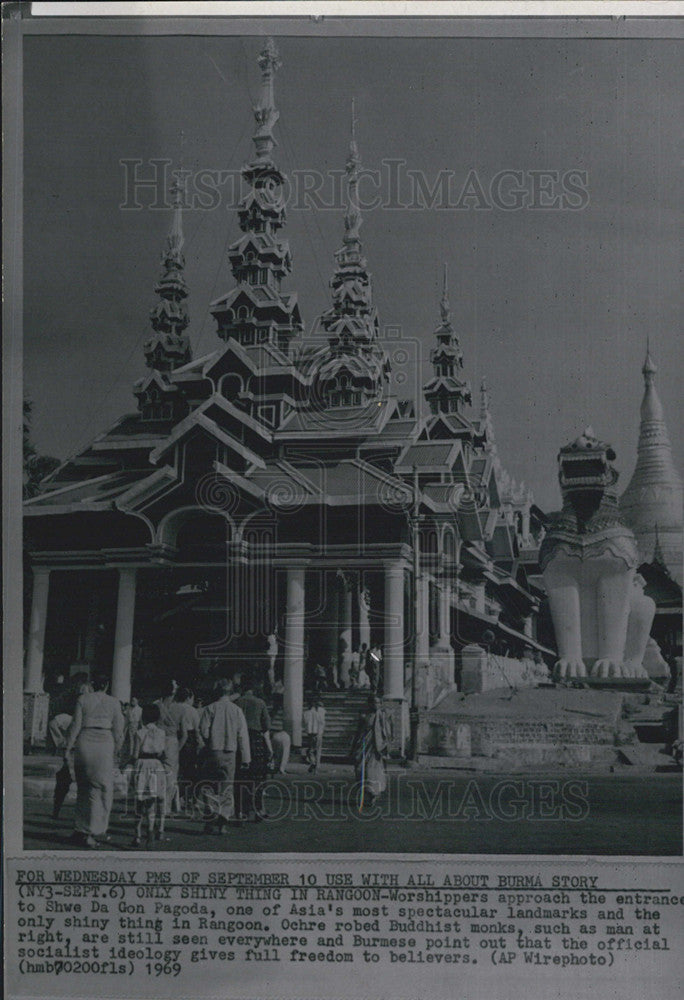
(370, 750)
(95, 734)
(149, 776)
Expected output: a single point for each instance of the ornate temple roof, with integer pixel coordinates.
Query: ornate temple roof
(652, 503)
(269, 409)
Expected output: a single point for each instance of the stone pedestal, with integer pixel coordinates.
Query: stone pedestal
(36, 709)
(444, 738)
(487, 672)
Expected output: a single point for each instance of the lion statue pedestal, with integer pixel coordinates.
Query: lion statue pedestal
(601, 616)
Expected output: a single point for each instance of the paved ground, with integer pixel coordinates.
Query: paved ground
(428, 812)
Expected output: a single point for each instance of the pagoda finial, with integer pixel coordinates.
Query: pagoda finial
(265, 113)
(352, 217)
(444, 306)
(176, 240)
(649, 368)
(484, 398)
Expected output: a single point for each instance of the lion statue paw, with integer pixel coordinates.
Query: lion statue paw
(605, 669)
(569, 670)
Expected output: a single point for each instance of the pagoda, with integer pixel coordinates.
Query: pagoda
(256, 311)
(353, 368)
(652, 502)
(445, 393)
(169, 347)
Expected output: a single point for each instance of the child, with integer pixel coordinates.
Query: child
(149, 777)
(314, 723)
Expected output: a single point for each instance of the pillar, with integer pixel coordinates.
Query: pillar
(345, 631)
(33, 676)
(394, 631)
(293, 697)
(445, 614)
(364, 617)
(332, 628)
(123, 635)
(423, 621)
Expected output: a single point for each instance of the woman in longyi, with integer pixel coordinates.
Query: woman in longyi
(95, 734)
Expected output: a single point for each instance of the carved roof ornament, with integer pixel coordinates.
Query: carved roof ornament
(266, 114)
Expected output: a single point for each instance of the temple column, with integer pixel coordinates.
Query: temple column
(423, 621)
(364, 617)
(332, 624)
(123, 635)
(445, 615)
(293, 697)
(442, 653)
(345, 631)
(33, 676)
(394, 631)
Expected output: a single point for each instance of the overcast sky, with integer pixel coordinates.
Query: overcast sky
(553, 306)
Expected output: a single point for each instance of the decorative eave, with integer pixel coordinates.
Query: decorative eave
(148, 487)
(198, 418)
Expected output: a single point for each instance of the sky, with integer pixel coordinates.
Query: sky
(553, 305)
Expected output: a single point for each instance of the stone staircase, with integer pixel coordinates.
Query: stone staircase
(342, 711)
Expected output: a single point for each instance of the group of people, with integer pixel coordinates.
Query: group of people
(174, 755)
(214, 761)
(361, 670)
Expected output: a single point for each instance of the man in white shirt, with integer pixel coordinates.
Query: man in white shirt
(314, 724)
(223, 728)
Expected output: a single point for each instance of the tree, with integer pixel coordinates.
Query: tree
(36, 467)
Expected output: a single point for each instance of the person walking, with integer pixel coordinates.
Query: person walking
(188, 745)
(261, 750)
(133, 717)
(149, 776)
(281, 742)
(170, 712)
(66, 775)
(314, 726)
(95, 736)
(223, 728)
(370, 750)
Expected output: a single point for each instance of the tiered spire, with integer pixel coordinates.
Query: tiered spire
(169, 347)
(256, 311)
(486, 421)
(654, 495)
(356, 365)
(446, 393)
